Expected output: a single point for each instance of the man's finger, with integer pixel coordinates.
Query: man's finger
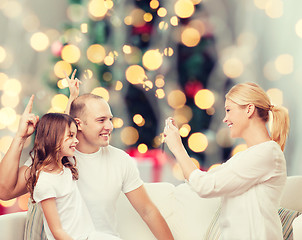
(65, 75)
(73, 74)
(29, 105)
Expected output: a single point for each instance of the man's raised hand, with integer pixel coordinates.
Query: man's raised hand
(73, 84)
(28, 121)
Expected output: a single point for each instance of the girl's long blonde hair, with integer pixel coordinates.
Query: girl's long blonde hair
(250, 93)
(48, 140)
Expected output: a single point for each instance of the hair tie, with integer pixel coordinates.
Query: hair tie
(271, 107)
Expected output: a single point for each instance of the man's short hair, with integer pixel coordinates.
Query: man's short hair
(78, 106)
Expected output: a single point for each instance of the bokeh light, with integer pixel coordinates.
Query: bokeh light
(176, 99)
(71, 53)
(214, 166)
(9, 100)
(148, 17)
(117, 122)
(61, 67)
(2, 54)
(118, 85)
(102, 92)
(183, 115)
(223, 138)
(276, 96)
(8, 203)
(284, 64)
(154, 4)
(142, 148)
(298, 28)
(39, 41)
(135, 74)
(137, 17)
(59, 103)
(152, 59)
(129, 135)
(23, 201)
(261, 4)
(239, 148)
(174, 21)
(204, 99)
(139, 120)
(12, 9)
(12, 87)
(76, 12)
(274, 9)
(198, 142)
(184, 8)
(97, 9)
(7, 116)
(185, 130)
(160, 93)
(190, 37)
(96, 53)
(233, 67)
(162, 12)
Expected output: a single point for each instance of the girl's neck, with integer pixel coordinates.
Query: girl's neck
(53, 168)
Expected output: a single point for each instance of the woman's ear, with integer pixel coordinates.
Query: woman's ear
(79, 123)
(250, 109)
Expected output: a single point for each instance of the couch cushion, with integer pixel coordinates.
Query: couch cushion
(287, 217)
(130, 224)
(34, 229)
(193, 212)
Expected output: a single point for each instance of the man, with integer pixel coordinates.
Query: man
(104, 171)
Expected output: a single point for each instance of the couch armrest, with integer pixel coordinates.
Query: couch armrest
(12, 226)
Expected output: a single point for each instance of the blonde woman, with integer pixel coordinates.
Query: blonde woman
(251, 182)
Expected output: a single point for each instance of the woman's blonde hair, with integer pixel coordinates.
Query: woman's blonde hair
(250, 93)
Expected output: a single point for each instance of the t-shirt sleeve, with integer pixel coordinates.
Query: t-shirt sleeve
(234, 177)
(43, 190)
(28, 162)
(131, 178)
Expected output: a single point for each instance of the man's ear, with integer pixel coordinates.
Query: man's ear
(250, 109)
(79, 123)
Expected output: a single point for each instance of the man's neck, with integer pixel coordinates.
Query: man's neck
(87, 149)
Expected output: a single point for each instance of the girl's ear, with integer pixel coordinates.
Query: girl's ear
(79, 123)
(250, 109)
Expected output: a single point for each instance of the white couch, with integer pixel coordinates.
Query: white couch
(188, 215)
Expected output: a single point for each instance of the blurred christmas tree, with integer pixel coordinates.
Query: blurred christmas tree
(149, 59)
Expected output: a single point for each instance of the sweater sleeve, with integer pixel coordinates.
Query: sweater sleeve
(238, 175)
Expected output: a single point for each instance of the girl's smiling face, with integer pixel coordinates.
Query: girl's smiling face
(69, 142)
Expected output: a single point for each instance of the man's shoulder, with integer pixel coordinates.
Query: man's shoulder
(115, 150)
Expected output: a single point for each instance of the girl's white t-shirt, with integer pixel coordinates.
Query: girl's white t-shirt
(74, 215)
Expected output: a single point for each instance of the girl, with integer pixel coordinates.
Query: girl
(51, 180)
(251, 182)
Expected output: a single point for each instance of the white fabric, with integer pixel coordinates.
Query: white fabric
(297, 228)
(102, 177)
(74, 215)
(251, 184)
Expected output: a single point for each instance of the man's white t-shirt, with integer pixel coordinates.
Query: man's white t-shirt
(251, 184)
(103, 175)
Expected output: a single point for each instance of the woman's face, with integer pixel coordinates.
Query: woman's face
(70, 141)
(236, 118)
